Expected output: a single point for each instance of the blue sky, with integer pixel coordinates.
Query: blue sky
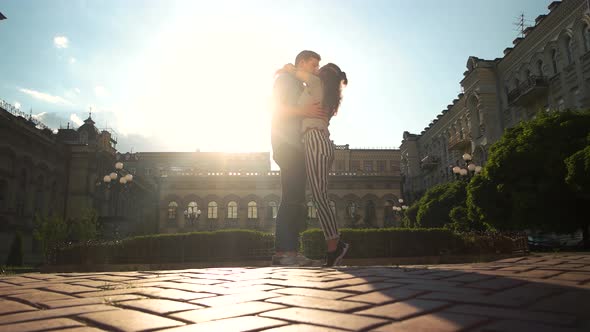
(187, 75)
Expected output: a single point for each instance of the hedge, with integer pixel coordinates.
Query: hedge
(244, 245)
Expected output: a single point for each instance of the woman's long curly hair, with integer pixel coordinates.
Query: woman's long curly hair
(332, 79)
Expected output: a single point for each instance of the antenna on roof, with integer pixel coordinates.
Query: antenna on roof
(521, 24)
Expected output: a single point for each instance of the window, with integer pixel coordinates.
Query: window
(540, 67)
(273, 210)
(132, 170)
(212, 210)
(381, 165)
(312, 212)
(232, 210)
(368, 165)
(351, 209)
(172, 206)
(586, 34)
(148, 171)
(333, 207)
(252, 210)
(554, 60)
(355, 165)
(567, 43)
(340, 165)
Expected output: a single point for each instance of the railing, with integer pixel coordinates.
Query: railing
(524, 88)
(168, 173)
(456, 142)
(429, 162)
(16, 112)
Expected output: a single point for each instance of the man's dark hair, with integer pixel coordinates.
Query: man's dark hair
(306, 55)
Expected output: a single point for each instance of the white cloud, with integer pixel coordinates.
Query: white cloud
(100, 91)
(45, 97)
(76, 119)
(17, 104)
(61, 41)
(40, 116)
(76, 90)
(72, 60)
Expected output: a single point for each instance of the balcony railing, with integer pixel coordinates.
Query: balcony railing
(529, 90)
(458, 142)
(429, 162)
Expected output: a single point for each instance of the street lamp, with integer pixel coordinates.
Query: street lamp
(469, 169)
(118, 181)
(192, 213)
(398, 209)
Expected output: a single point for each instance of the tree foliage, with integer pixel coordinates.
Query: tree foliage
(436, 204)
(523, 184)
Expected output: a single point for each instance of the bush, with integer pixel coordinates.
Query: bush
(435, 206)
(15, 256)
(221, 245)
(383, 242)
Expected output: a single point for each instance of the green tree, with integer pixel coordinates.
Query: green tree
(51, 232)
(410, 215)
(15, 256)
(578, 179)
(523, 184)
(436, 204)
(84, 228)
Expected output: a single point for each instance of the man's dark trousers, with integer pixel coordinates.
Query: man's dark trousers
(291, 214)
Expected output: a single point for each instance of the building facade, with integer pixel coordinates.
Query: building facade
(546, 69)
(64, 173)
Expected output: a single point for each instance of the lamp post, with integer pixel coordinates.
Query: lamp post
(468, 170)
(398, 209)
(192, 213)
(117, 182)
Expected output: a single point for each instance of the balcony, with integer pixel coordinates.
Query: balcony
(429, 162)
(456, 142)
(528, 91)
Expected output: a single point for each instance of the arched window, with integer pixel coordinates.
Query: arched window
(554, 61)
(540, 67)
(3, 193)
(232, 210)
(273, 209)
(586, 35)
(22, 193)
(212, 210)
(312, 212)
(39, 195)
(252, 210)
(567, 46)
(333, 207)
(172, 206)
(192, 207)
(351, 209)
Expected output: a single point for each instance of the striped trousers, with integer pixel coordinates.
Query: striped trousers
(319, 155)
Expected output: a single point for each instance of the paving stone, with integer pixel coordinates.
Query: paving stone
(53, 313)
(527, 293)
(469, 277)
(303, 328)
(435, 322)
(325, 318)
(84, 329)
(476, 299)
(365, 288)
(130, 320)
(573, 302)
(330, 295)
(159, 306)
(384, 296)
(10, 307)
(92, 300)
(318, 303)
(67, 288)
(175, 294)
(246, 323)
(495, 284)
(221, 312)
(573, 276)
(404, 309)
(539, 274)
(40, 297)
(519, 326)
(42, 325)
(521, 314)
(234, 298)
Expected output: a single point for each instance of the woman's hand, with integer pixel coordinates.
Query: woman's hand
(290, 68)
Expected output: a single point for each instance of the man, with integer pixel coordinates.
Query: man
(288, 154)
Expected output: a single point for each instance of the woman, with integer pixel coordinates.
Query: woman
(325, 88)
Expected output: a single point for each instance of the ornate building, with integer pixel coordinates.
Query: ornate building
(546, 69)
(239, 190)
(70, 171)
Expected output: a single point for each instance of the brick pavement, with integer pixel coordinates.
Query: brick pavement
(539, 292)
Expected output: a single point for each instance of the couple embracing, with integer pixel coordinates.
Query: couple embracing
(306, 98)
